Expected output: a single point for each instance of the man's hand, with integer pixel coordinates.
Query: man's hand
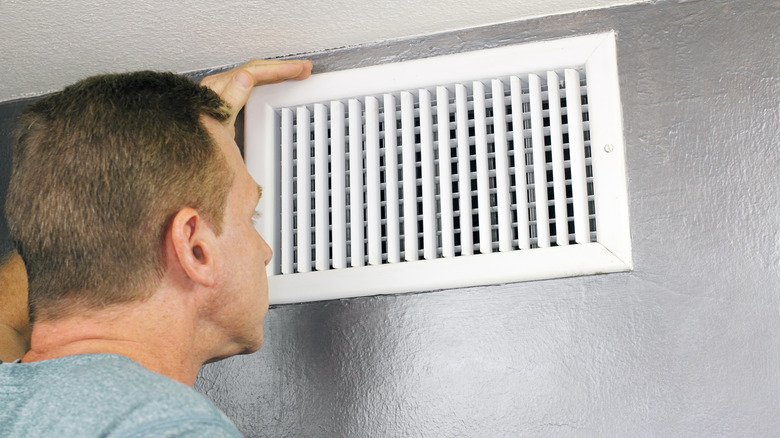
(234, 85)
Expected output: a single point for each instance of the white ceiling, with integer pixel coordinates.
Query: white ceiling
(47, 44)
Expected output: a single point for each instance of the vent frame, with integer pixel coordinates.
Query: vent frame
(611, 252)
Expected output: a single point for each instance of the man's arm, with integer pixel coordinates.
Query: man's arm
(14, 322)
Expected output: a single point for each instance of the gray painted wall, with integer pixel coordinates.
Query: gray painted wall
(688, 344)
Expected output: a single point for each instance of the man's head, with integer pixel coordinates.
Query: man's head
(99, 170)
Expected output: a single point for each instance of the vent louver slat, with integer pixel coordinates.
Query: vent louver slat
(435, 178)
(338, 178)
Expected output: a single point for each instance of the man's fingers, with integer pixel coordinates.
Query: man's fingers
(236, 92)
(274, 71)
(235, 85)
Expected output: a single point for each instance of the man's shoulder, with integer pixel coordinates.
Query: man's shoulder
(107, 393)
(112, 373)
(117, 378)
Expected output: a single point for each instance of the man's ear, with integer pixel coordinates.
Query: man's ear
(193, 241)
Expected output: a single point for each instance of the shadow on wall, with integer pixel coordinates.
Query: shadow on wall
(9, 111)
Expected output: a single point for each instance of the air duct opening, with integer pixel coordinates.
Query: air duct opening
(433, 173)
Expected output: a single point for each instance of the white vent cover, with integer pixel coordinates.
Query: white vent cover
(485, 167)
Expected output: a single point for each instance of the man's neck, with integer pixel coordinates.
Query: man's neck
(143, 331)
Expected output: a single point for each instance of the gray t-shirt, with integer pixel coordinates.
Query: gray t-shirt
(105, 395)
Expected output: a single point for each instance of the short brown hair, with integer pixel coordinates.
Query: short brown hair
(99, 170)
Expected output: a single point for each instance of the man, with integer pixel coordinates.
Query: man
(132, 209)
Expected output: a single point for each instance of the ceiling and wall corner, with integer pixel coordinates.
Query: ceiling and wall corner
(45, 45)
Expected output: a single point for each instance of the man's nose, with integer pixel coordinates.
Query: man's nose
(268, 253)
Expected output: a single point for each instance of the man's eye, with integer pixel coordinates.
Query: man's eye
(256, 217)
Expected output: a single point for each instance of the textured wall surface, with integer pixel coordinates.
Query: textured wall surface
(688, 344)
(45, 44)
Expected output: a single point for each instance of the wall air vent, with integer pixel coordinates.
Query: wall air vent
(484, 167)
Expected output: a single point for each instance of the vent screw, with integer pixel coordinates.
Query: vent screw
(609, 148)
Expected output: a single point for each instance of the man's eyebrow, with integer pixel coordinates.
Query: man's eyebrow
(259, 192)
